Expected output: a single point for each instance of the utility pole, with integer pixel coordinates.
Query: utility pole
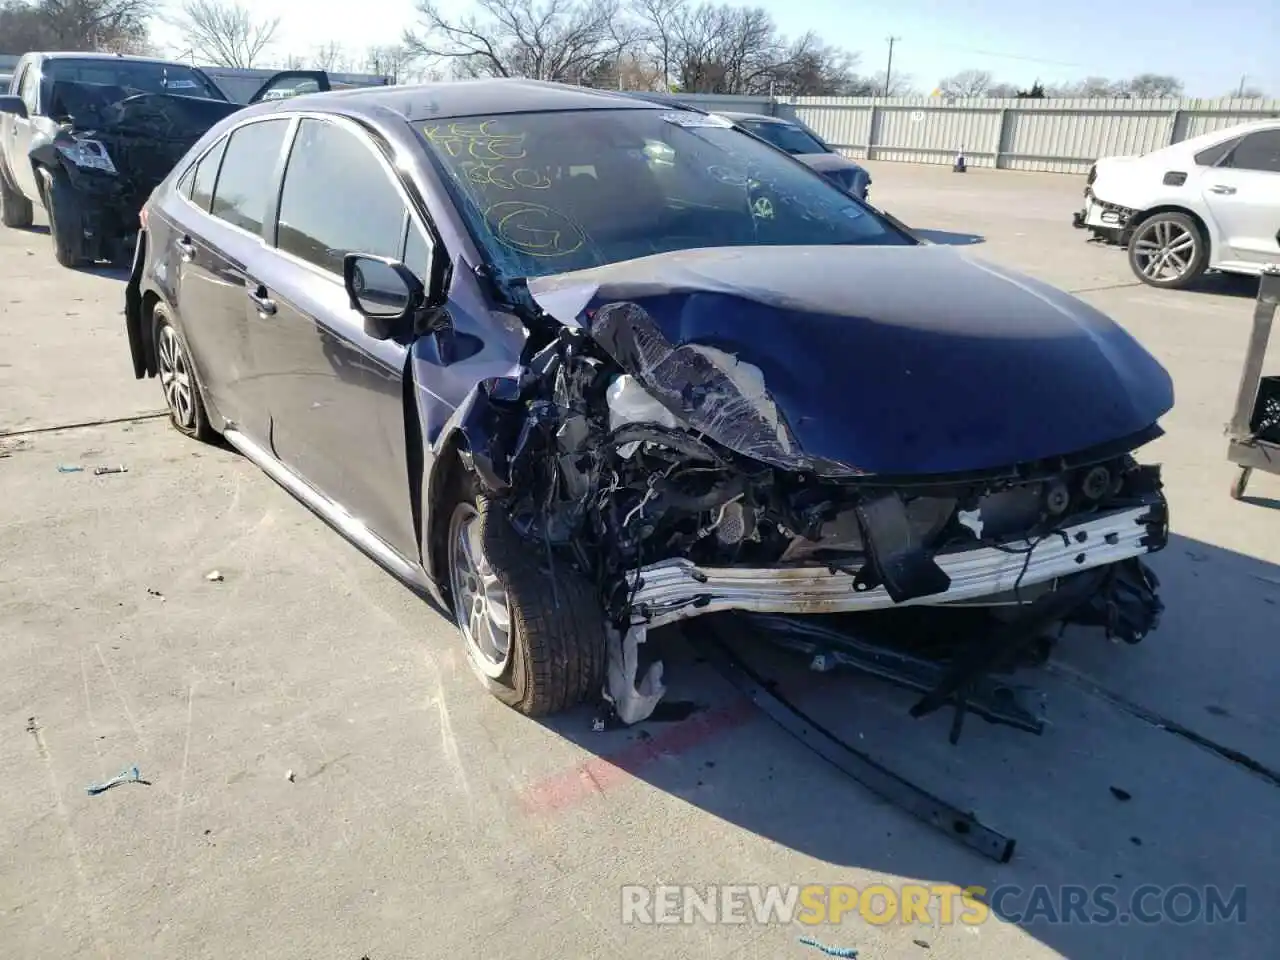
(888, 70)
(1240, 92)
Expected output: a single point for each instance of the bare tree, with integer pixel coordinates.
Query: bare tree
(114, 26)
(395, 61)
(1247, 93)
(1154, 85)
(966, 83)
(225, 33)
(329, 57)
(901, 85)
(564, 40)
(1003, 91)
(1089, 88)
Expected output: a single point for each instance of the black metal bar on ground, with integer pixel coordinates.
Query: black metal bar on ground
(902, 793)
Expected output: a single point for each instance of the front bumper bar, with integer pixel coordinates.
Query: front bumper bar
(677, 589)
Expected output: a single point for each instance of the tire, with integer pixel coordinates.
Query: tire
(15, 209)
(555, 643)
(1241, 483)
(66, 225)
(1168, 250)
(178, 380)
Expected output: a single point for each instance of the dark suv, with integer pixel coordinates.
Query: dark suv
(580, 365)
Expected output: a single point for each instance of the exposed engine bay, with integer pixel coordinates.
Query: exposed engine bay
(669, 474)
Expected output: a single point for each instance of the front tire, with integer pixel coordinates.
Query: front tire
(535, 640)
(178, 380)
(66, 221)
(1168, 250)
(15, 209)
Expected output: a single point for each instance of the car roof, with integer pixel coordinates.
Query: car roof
(73, 55)
(469, 98)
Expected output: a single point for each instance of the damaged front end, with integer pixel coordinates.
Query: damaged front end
(114, 146)
(664, 467)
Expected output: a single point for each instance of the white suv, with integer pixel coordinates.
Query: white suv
(1208, 203)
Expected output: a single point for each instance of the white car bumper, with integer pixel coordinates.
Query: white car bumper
(677, 589)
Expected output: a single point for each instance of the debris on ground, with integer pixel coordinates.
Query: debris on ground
(126, 776)
(156, 593)
(214, 576)
(829, 951)
(288, 775)
(70, 468)
(103, 471)
(1120, 794)
(923, 944)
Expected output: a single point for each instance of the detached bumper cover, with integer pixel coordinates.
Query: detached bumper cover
(678, 589)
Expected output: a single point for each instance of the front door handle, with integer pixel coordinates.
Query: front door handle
(266, 306)
(186, 248)
(1221, 188)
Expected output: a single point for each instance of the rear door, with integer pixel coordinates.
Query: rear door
(335, 394)
(1243, 195)
(220, 236)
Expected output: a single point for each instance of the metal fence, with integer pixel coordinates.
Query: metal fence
(1054, 136)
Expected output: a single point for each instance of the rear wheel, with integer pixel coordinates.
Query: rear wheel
(15, 209)
(1168, 250)
(535, 638)
(178, 380)
(66, 221)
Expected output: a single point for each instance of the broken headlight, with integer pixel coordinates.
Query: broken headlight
(86, 154)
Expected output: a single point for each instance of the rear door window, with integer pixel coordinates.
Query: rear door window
(206, 175)
(244, 182)
(1258, 151)
(337, 199)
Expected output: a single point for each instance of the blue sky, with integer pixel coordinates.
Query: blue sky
(1209, 45)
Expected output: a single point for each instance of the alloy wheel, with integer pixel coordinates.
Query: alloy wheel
(479, 599)
(175, 378)
(1164, 250)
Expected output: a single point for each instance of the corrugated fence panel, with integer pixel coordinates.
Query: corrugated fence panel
(712, 103)
(1057, 136)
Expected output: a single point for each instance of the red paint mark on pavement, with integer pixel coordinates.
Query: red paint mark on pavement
(600, 774)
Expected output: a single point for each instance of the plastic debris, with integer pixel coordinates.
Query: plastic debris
(1120, 794)
(632, 704)
(127, 776)
(289, 775)
(213, 576)
(156, 593)
(101, 471)
(70, 468)
(848, 952)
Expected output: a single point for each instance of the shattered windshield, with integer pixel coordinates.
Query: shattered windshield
(546, 193)
(138, 76)
(783, 136)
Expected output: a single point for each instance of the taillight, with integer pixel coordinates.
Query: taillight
(142, 217)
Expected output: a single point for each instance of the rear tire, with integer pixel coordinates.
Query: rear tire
(66, 222)
(1168, 250)
(554, 651)
(177, 375)
(15, 209)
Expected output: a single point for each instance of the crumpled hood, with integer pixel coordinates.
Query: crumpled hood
(114, 109)
(866, 360)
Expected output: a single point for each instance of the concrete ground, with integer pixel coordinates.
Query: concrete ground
(424, 819)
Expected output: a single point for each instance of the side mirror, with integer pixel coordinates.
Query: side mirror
(383, 291)
(13, 105)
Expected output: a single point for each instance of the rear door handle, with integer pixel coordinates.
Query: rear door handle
(1221, 188)
(186, 248)
(266, 306)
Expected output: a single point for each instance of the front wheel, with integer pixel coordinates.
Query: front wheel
(1168, 250)
(535, 637)
(66, 221)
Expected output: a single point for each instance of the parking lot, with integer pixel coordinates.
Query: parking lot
(326, 778)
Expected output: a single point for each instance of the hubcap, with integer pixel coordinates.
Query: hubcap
(479, 599)
(175, 378)
(1164, 250)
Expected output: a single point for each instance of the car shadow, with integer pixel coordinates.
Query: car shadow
(1226, 285)
(1126, 786)
(1270, 502)
(949, 237)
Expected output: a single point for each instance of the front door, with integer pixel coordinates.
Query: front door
(335, 395)
(21, 130)
(1243, 195)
